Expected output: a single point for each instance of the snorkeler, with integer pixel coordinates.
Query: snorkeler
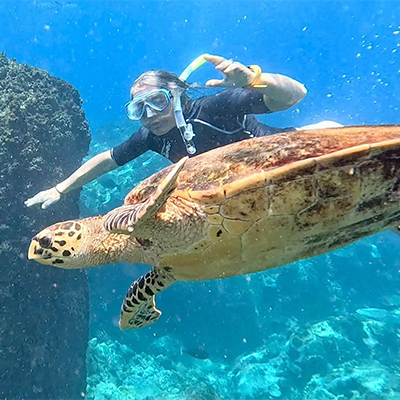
(175, 125)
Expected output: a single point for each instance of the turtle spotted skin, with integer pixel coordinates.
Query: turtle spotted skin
(239, 209)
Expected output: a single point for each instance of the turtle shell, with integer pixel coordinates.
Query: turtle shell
(273, 200)
(212, 177)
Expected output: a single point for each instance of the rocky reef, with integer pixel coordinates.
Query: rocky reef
(344, 358)
(43, 137)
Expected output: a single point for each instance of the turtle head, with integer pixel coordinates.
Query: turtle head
(60, 245)
(83, 243)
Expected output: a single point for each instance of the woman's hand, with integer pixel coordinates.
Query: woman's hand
(280, 92)
(236, 74)
(45, 197)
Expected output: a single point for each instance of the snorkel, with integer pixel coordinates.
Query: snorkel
(186, 129)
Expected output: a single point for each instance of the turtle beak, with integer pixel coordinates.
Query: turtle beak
(35, 252)
(37, 248)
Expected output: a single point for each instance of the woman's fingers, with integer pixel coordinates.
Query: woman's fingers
(224, 65)
(214, 60)
(220, 63)
(236, 74)
(215, 82)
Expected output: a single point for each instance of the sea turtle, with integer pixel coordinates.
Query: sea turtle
(239, 209)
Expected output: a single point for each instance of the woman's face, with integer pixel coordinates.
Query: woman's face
(158, 122)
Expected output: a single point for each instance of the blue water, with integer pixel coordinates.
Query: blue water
(348, 56)
(345, 50)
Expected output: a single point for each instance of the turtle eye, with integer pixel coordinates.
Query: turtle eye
(45, 242)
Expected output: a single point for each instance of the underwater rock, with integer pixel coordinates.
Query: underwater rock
(43, 137)
(109, 391)
(326, 340)
(151, 376)
(324, 330)
(373, 381)
(327, 360)
(259, 381)
(167, 346)
(381, 315)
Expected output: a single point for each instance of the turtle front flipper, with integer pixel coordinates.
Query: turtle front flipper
(139, 306)
(123, 219)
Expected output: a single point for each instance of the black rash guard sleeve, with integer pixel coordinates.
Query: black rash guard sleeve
(133, 147)
(234, 102)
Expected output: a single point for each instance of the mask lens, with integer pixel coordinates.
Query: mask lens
(134, 110)
(158, 100)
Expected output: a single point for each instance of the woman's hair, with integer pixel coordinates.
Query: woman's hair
(163, 79)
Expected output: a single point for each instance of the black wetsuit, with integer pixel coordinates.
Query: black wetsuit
(229, 110)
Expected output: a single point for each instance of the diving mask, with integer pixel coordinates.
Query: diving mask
(157, 99)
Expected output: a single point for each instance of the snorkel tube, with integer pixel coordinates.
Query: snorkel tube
(186, 129)
(197, 63)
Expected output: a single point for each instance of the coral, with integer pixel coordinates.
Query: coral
(116, 370)
(317, 361)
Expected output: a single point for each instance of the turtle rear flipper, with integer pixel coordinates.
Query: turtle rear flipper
(123, 219)
(139, 306)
